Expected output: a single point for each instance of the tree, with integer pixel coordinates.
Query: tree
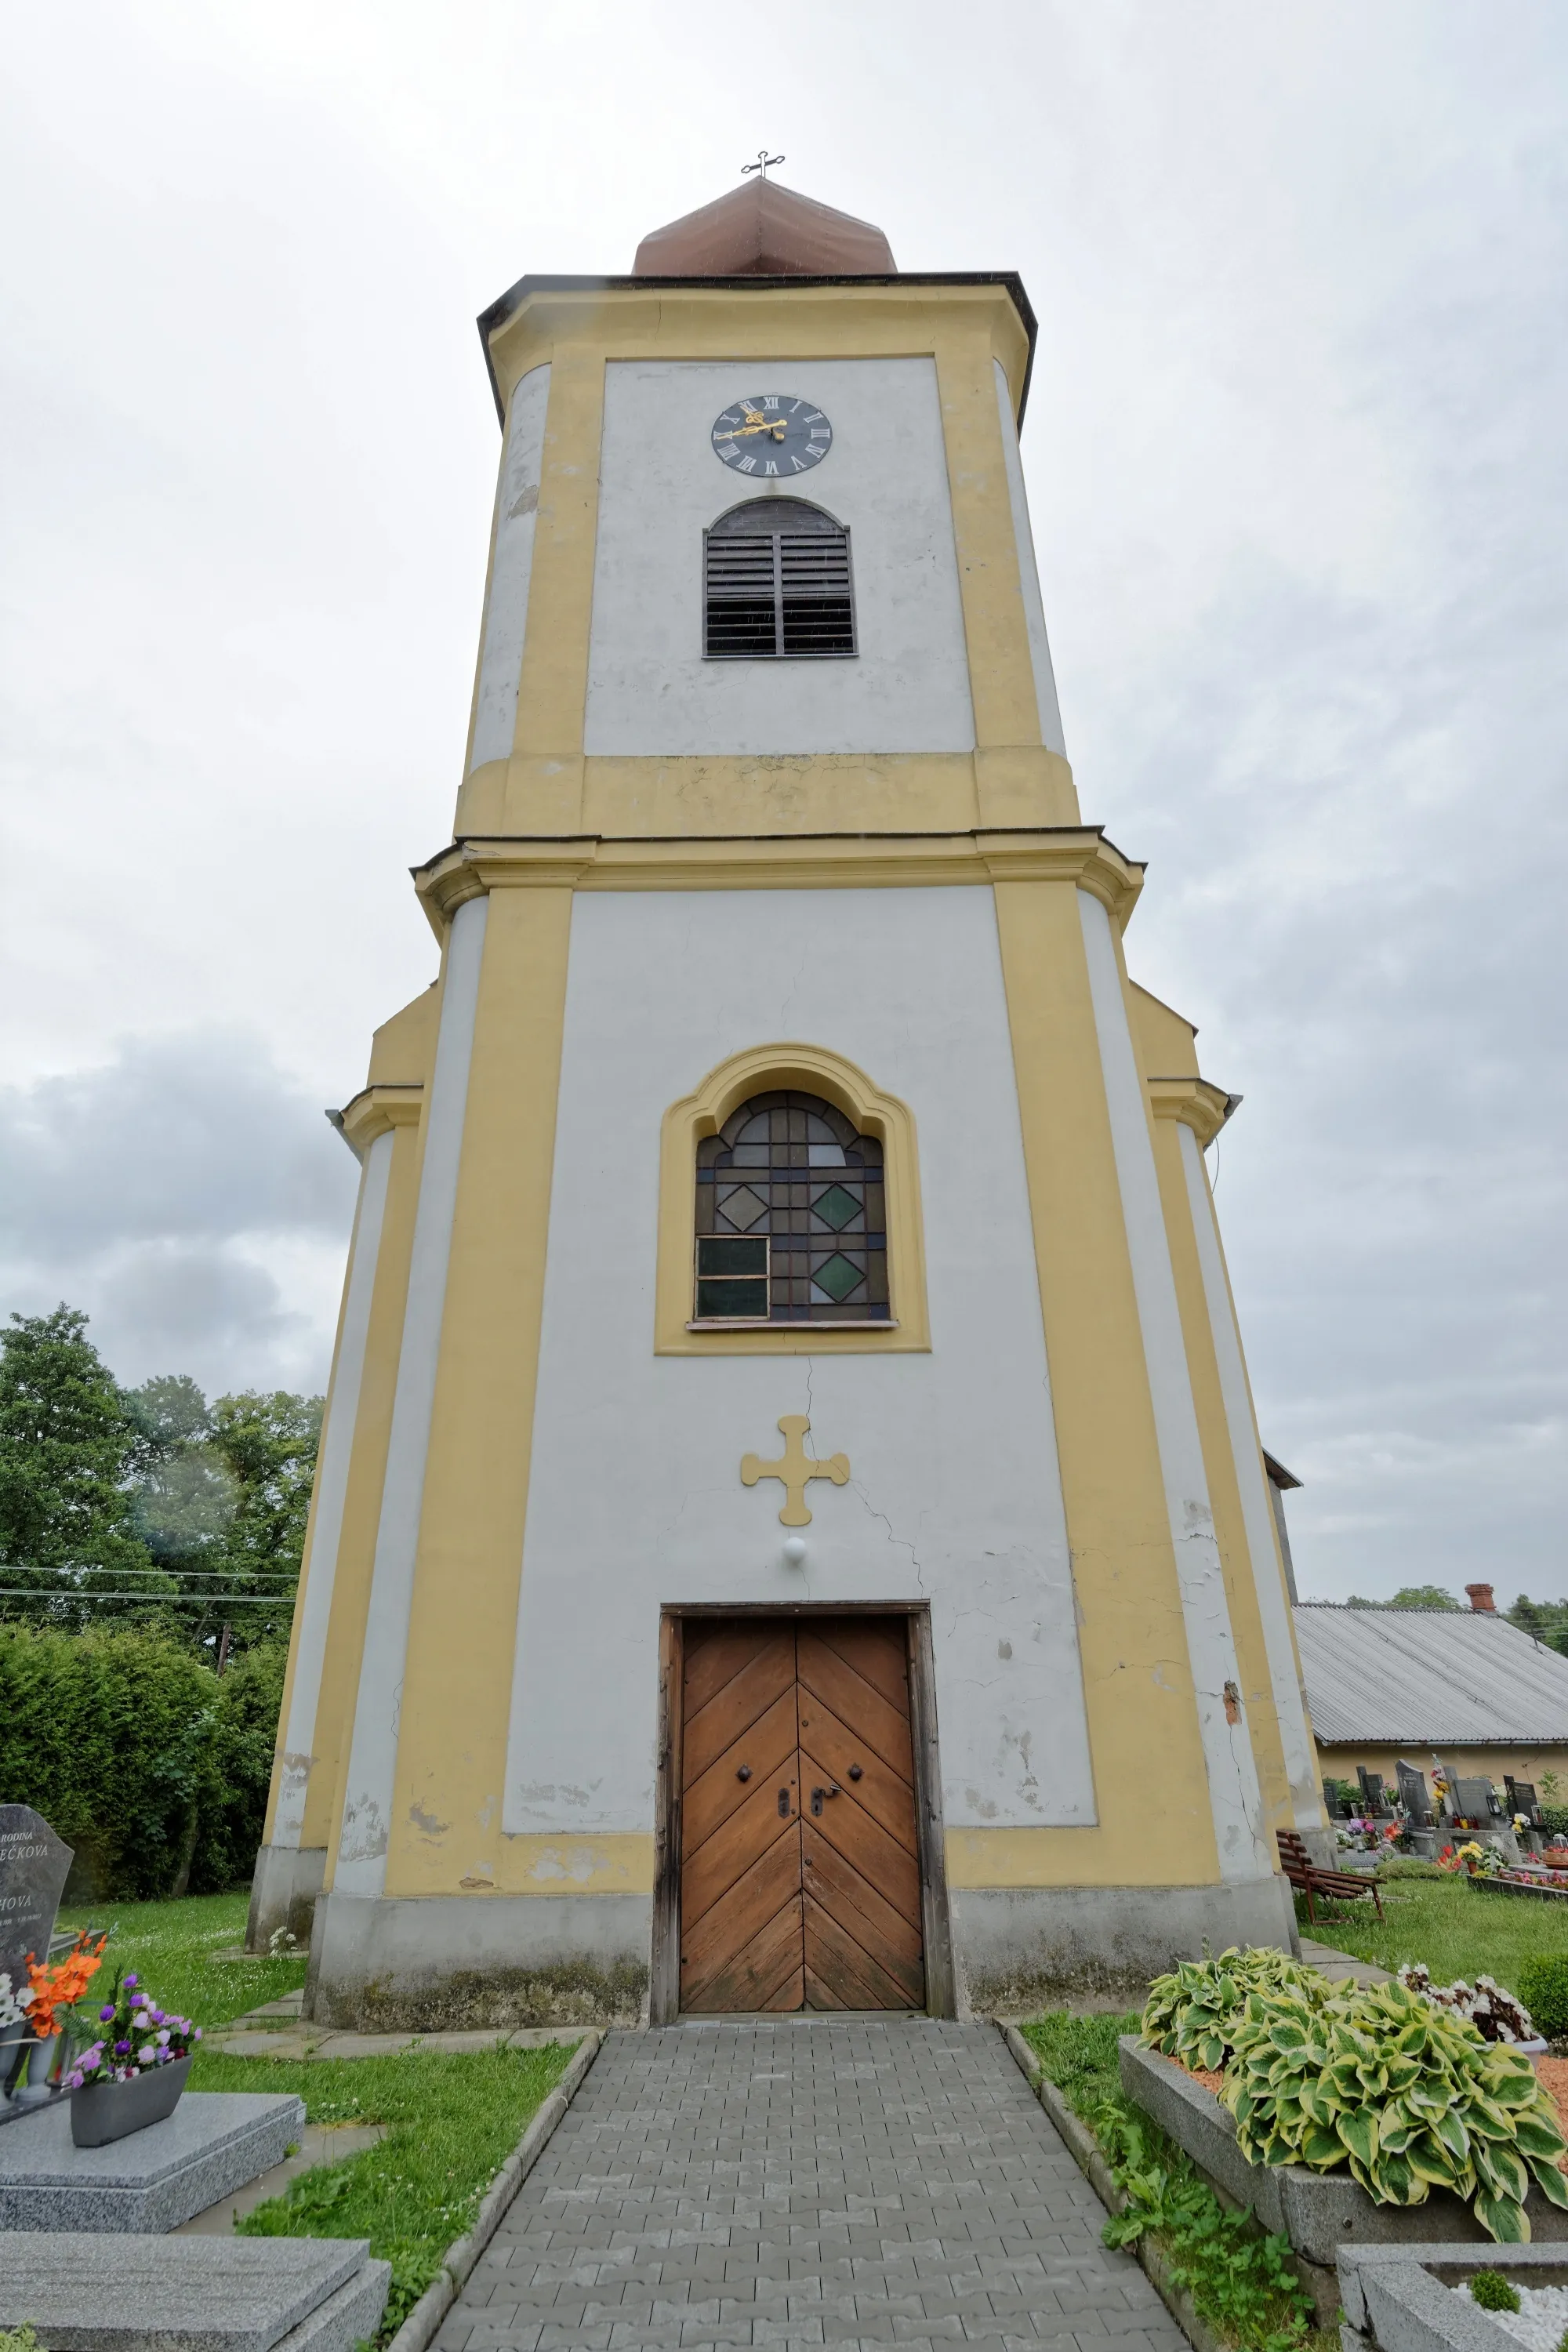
(1544, 1621)
(1409, 1596)
(184, 1494)
(67, 1446)
(268, 1447)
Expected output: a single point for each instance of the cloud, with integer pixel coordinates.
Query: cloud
(1300, 490)
(164, 1193)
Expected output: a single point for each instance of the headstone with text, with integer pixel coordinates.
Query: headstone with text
(1373, 1798)
(34, 1865)
(1522, 1798)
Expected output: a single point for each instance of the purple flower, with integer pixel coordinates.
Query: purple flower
(158, 2017)
(121, 2048)
(105, 2013)
(196, 2033)
(129, 1981)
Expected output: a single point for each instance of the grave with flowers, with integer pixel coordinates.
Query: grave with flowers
(107, 2153)
(99, 2135)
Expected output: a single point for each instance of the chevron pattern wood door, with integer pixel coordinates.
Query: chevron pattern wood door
(800, 1876)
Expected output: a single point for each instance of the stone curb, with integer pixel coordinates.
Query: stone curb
(1085, 2151)
(418, 2330)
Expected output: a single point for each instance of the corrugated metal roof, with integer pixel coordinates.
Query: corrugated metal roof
(1427, 1677)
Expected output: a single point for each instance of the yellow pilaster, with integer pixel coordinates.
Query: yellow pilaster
(1158, 1824)
(1017, 781)
(446, 1817)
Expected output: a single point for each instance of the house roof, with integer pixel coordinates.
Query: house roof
(1428, 1678)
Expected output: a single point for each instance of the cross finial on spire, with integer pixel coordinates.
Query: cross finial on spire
(763, 160)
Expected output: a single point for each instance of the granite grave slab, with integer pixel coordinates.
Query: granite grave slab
(214, 2143)
(137, 2293)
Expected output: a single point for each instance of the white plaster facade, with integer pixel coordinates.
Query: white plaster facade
(650, 690)
(1258, 1508)
(1029, 573)
(373, 1755)
(331, 1490)
(1234, 1792)
(511, 570)
(633, 1497)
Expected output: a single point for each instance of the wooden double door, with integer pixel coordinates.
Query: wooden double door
(800, 1881)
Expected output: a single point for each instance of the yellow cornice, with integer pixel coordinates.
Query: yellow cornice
(1196, 1102)
(1077, 854)
(778, 321)
(998, 786)
(375, 1109)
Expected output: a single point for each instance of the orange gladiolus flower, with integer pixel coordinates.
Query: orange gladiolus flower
(57, 1985)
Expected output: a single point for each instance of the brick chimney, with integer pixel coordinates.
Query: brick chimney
(1481, 1599)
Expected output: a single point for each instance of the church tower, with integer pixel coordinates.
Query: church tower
(790, 1528)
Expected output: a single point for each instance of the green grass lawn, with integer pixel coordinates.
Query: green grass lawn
(452, 2122)
(1078, 2054)
(170, 1946)
(1458, 1930)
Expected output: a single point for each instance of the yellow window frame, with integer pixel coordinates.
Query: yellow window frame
(811, 1069)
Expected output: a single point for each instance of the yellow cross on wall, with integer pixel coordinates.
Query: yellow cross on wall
(793, 1469)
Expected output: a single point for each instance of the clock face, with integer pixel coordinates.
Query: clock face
(772, 436)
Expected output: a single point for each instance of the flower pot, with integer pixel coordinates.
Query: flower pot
(106, 2111)
(31, 2062)
(12, 2057)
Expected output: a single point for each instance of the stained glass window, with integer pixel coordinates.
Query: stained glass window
(790, 1221)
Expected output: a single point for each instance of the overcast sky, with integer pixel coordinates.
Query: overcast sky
(1296, 455)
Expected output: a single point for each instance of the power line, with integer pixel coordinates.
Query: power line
(162, 1599)
(267, 1575)
(264, 1576)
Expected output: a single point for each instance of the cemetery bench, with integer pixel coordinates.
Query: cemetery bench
(1301, 1871)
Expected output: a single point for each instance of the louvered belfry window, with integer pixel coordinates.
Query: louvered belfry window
(777, 583)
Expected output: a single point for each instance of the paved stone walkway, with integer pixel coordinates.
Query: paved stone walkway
(808, 2181)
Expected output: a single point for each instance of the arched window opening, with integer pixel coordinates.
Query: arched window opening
(791, 1217)
(777, 583)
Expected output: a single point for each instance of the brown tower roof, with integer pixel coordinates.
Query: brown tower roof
(763, 230)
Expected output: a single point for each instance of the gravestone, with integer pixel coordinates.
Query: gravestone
(1372, 1799)
(34, 1865)
(1412, 1795)
(1522, 1798)
(1473, 1802)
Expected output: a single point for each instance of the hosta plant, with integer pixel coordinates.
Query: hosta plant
(1408, 2097)
(1190, 2013)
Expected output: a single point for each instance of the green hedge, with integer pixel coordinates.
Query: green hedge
(151, 1767)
